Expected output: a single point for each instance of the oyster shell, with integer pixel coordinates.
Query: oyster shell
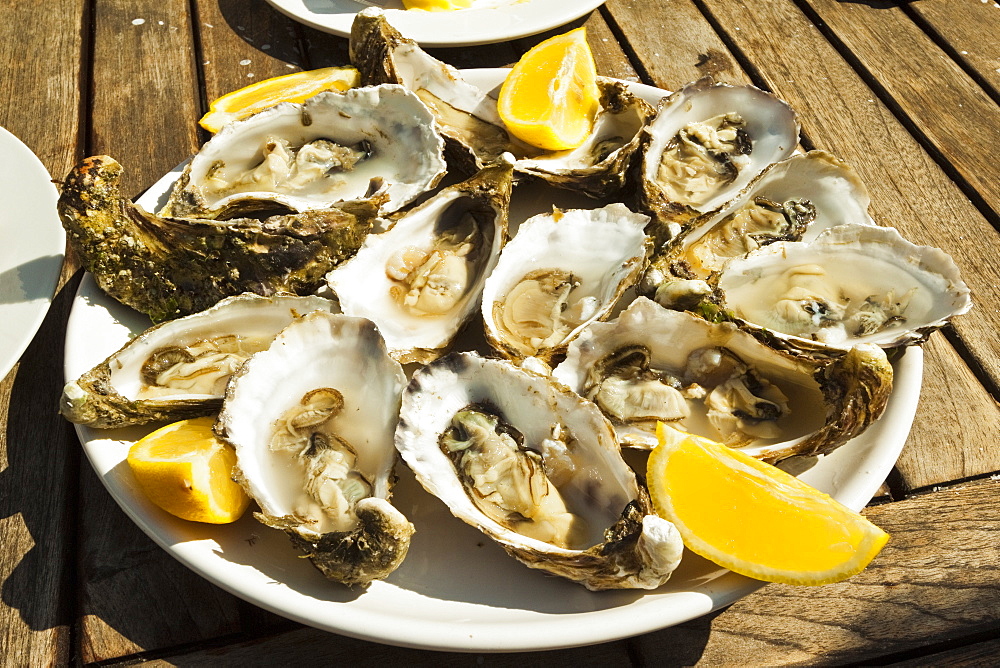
(561, 271)
(420, 281)
(851, 284)
(312, 420)
(537, 469)
(706, 143)
(179, 369)
(715, 380)
(169, 267)
(468, 117)
(792, 200)
(334, 147)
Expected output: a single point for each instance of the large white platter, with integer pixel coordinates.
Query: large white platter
(456, 590)
(487, 21)
(31, 252)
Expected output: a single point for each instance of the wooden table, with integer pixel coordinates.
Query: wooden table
(906, 92)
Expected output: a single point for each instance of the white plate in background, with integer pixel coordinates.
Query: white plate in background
(32, 244)
(486, 22)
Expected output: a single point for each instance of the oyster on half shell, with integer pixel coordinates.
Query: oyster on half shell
(179, 368)
(561, 271)
(537, 469)
(312, 420)
(468, 118)
(420, 280)
(170, 267)
(332, 148)
(653, 364)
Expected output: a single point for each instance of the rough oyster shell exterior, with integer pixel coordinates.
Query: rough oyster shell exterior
(625, 547)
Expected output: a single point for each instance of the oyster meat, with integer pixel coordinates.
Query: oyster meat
(334, 147)
(852, 284)
(561, 271)
(170, 267)
(706, 143)
(420, 281)
(179, 369)
(654, 364)
(537, 469)
(312, 420)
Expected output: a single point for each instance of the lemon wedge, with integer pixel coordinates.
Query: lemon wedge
(437, 5)
(753, 518)
(550, 98)
(184, 469)
(294, 87)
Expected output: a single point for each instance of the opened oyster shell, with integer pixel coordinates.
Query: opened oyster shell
(706, 143)
(312, 420)
(334, 147)
(179, 369)
(792, 200)
(468, 117)
(537, 469)
(654, 364)
(561, 271)
(852, 284)
(420, 281)
(169, 267)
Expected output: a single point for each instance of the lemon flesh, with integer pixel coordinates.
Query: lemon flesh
(437, 5)
(185, 470)
(753, 518)
(550, 98)
(295, 87)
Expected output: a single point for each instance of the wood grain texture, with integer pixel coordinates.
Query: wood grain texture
(966, 33)
(307, 646)
(936, 579)
(144, 88)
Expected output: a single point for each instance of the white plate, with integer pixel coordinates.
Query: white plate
(456, 590)
(487, 21)
(31, 254)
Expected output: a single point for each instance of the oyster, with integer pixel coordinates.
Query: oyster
(420, 281)
(333, 147)
(653, 364)
(179, 369)
(852, 284)
(468, 117)
(168, 267)
(537, 469)
(706, 143)
(561, 271)
(312, 419)
(793, 199)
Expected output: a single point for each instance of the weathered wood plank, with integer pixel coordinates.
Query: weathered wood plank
(964, 32)
(145, 90)
(841, 114)
(935, 580)
(307, 646)
(40, 60)
(674, 42)
(982, 654)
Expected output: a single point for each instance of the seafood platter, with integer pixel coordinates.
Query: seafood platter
(440, 353)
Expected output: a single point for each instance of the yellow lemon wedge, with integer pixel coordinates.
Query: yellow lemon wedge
(184, 469)
(550, 98)
(437, 5)
(294, 87)
(753, 518)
